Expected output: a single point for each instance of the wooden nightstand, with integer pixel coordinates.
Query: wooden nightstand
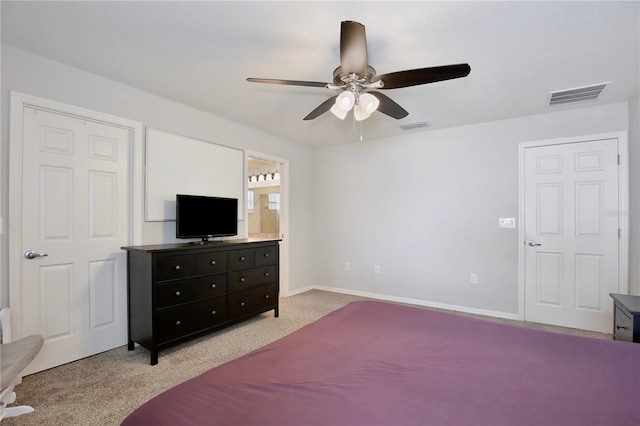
(626, 317)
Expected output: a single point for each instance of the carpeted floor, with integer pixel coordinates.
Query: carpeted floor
(105, 388)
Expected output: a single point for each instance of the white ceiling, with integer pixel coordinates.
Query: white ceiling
(200, 54)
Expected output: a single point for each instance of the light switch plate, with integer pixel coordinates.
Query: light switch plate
(507, 222)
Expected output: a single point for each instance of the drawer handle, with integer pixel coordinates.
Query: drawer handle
(177, 293)
(266, 296)
(241, 303)
(242, 280)
(266, 274)
(266, 255)
(213, 286)
(177, 267)
(213, 312)
(241, 258)
(213, 262)
(178, 323)
(618, 327)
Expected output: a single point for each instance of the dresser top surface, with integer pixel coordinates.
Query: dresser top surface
(200, 246)
(632, 303)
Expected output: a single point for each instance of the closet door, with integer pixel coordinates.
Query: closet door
(571, 222)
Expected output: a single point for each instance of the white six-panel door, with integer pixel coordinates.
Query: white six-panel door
(571, 220)
(75, 206)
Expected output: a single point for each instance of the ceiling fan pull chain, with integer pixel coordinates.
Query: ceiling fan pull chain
(361, 131)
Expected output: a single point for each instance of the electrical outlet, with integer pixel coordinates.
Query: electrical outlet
(473, 279)
(376, 269)
(347, 266)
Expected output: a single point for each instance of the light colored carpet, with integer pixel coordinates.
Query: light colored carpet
(105, 388)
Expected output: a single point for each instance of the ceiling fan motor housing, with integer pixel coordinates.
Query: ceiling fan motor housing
(340, 77)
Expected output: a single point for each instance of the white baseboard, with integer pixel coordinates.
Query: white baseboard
(419, 302)
(300, 291)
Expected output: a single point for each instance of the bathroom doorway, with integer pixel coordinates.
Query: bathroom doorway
(267, 209)
(264, 198)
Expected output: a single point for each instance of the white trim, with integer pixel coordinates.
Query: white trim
(18, 101)
(417, 302)
(623, 207)
(303, 290)
(284, 212)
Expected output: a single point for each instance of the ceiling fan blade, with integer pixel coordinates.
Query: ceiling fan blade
(321, 109)
(288, 82)
(396, 80)
(389, 107)
(353, 48)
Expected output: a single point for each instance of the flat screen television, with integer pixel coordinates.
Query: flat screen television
(204, 217)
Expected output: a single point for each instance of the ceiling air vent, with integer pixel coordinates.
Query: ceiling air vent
(578, 94)
(416, 125)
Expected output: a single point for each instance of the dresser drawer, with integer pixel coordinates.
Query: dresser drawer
(239, 259)
(254, 300)
(623, 327)
(190, 318)
(241, 280)
(210, 286)
(184, 291)
(174, 267)
(211, 263)
(174, 293)
(266, 255)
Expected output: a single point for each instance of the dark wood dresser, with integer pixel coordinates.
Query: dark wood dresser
(626, 317)
(181, 291)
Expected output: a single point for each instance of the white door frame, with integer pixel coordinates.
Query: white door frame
(18, 102)
(623, 208)
(284, 212)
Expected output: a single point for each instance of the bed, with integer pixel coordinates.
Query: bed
(376, 363)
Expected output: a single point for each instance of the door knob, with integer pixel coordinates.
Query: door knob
(533, 244)
(32, 254)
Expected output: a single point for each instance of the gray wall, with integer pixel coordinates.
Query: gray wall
(37, 76)
(425, 207)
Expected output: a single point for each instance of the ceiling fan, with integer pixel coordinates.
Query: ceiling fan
(355, 78)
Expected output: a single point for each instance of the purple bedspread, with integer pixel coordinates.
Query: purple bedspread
(374, 363)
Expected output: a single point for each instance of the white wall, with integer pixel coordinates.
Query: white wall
(425, 207)
(634, 189)
(37, 76)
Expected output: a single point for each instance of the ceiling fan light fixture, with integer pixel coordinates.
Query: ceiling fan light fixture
(359, 113)
(344, 103)
(346, 100)
(338, 112)
(369, 103)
